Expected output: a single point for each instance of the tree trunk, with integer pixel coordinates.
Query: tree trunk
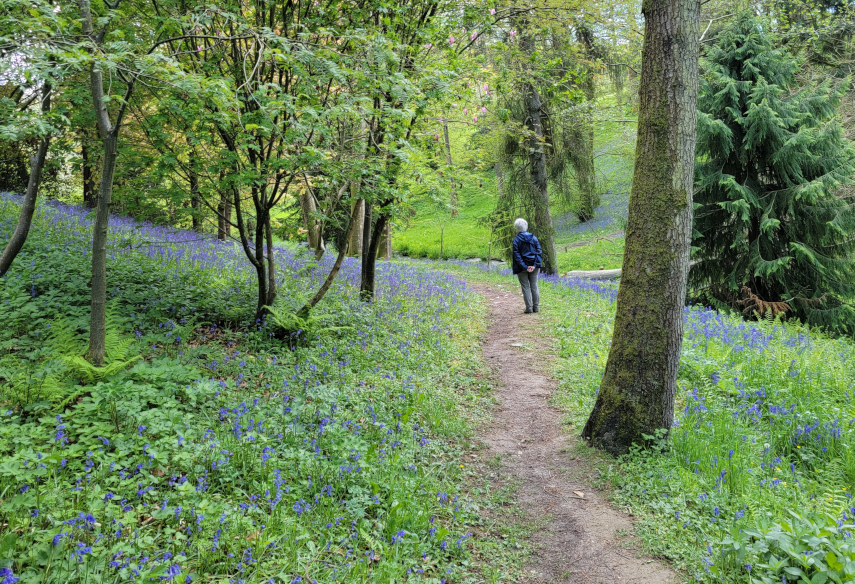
(98, 316)
(369, 260)
(28, 206)
(260, 264)
(452, 200)
(88, 174)
(384, 249)
(109, 132)
(582, 157)
(195, 197)
(271, 262)
(537, 161)
(307, 204)
(351, 228)
(636, 396)
(224, 214)
(366, 235)
(358, 212)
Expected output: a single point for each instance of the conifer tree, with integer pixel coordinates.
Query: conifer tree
(773, 232)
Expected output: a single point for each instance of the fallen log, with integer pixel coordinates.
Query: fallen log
(595, 274)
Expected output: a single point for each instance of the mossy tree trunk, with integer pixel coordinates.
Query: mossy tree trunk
(636, 396)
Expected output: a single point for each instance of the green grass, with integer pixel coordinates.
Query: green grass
(464, 236)
(467, 236)
(603, 253)
(222, 453)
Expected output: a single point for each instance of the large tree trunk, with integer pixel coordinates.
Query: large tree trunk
(636, 396)
(537, 161)
(28, 207)
(452, 200)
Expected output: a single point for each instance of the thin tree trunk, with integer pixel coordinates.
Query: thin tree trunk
(636, 396)
(223, 213)
(88, 174)
(307, 204)
(366, 236)
(28, 206)
(271, 262)
(452, 200)
(358, 211)
(109, 132)
(195, 199)
(98, 315)
(313, 301)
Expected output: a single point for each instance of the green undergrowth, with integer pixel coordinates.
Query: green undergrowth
(603, 252)
(213, 451)
(754, 482)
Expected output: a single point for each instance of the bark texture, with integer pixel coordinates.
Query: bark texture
(636, 396)
(28, 206)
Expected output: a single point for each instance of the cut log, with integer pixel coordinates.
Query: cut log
(595, 274)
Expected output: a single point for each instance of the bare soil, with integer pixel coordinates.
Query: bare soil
(583, 538)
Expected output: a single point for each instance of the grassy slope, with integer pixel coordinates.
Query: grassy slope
(464, 237)
(224, 454)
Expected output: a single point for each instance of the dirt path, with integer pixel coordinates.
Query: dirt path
(578, 542)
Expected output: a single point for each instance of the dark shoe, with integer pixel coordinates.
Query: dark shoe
(536, 310)
(527, 311)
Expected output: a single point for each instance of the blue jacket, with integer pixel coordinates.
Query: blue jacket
(526, 252)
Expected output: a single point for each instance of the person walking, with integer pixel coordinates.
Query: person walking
(526, 265)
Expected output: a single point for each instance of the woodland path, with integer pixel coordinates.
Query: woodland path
(578, 541)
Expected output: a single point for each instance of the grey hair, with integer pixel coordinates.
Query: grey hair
(521, 225)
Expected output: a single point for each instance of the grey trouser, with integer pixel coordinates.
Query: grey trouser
(528, 281)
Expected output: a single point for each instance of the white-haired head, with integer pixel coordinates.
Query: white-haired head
(521, 225)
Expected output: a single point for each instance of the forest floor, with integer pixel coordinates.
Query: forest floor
(581, 537)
